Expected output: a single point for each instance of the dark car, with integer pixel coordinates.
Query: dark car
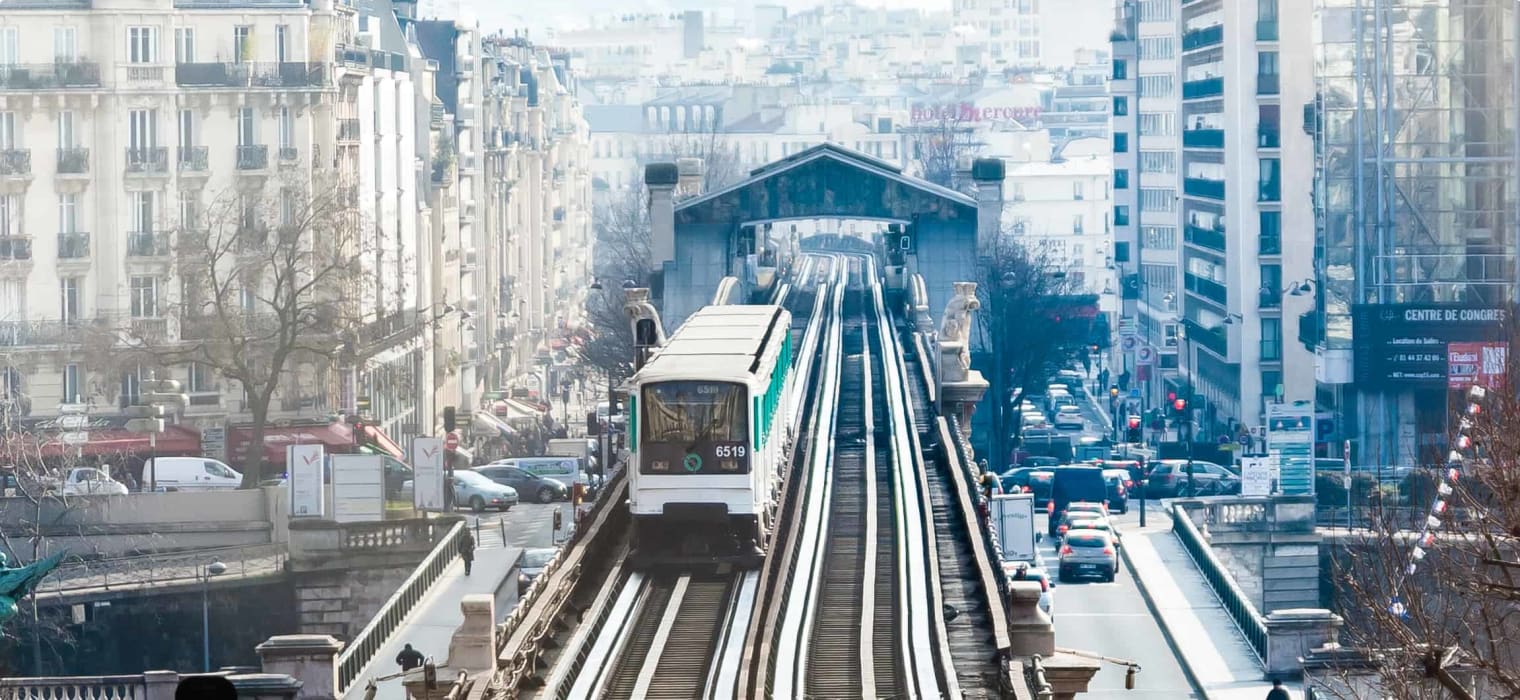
(1074, 483)
(1119, 485)
(396, 474)
(533, 562)
(1168, 479)
(529, 485)
(1031, 480)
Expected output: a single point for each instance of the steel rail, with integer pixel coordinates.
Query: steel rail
(611, 641)
(586, 649)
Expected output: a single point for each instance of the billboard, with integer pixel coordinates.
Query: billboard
(1406, 344)
(358, 488)
(1290, 440)
(1476, 364)
(308, 490)
(427, 473)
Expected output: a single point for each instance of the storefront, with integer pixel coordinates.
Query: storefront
(336, 438)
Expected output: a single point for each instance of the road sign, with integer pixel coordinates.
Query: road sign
(73, 422)
(451, 441)
(1146, 355)
(1129, 343)
(1128, 328)
(1244, 439)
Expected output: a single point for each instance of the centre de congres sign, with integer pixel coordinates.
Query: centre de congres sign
(1406, 343)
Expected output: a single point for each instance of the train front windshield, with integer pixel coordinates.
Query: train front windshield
(693, 427)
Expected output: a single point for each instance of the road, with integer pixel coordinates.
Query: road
(527, 525)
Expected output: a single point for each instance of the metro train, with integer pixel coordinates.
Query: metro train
(708, 432)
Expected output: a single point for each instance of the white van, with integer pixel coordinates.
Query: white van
(564, 468)
(189, 474)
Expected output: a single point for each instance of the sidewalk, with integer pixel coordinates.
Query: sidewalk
(431, 625)
(1213, 652)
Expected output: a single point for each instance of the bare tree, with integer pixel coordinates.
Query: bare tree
(1034, 321)
(939, 144)
(1450, 597)
(274, 291)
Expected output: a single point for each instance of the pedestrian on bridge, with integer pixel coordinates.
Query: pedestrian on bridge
(1278, 692)
(409, 658)
(467, 550)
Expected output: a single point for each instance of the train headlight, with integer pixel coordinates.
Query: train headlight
(728, 465)
(659, 465)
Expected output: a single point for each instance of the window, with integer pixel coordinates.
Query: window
(187, 138)
(1076, 224)
(1266, 73)
(189, 209)
(1158, 199)
(1164, 162)
(1157, 123)
(1121, 179)
(287, 128)
(131, 387)
(1159, 237)
(1121, 106)
(66, 130)
(73, 389)
(68, 213)
(1121, 215)
(68, 298)
(248, 297)
(1271, 233)
(142, 44)
(1077, 190)
(198, 378)
(1121, 69)
(144, 214)
(144, 297)
(247, 127)
(10, 136)
(1271, 185)
(281, 43)
(1121, 142)
(10, 216)
(1271, 339)
(184, 44)
(142, 130)
(1156, 85)
(10, 46)
(1271, 384)
(1271, 286)
(65, 44)
(1157, 48)
(242, 43)
(1156, 10)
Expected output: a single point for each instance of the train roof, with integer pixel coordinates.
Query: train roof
(719, 342)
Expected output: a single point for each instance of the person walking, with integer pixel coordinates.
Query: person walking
(467, 550)
(1278, 692)
(409, 658)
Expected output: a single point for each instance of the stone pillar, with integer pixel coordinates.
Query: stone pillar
(308, 658)
(473, 647)
(160, 685)
(689, 177)
(661, 179)
(1030, 630)
(1295, 633)
(988, 174)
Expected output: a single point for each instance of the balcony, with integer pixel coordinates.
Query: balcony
(250, 75)
(1268, 137)
(1206, 288)
(1203, 138)
(15, 334)
(73, 245)
(49, 76)
(252, 157)
(15, 248)
(73, 161)
(1266, 30)
(1212, 338)
(288, 154)
(1199, 187)
(1269, 191)
(195, 160)
(144, 73)
(1203, 38)
(1202, 88)
(148, 161)
(147, 244)
(1266, 83)
(15, 162)
(150, 329)
(348, 130)
(1204, 237)
(252, 239)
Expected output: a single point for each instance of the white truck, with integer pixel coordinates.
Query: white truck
(1012, 514)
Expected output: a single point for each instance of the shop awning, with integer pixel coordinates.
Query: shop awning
(336, 437)
(383, 442)
(513, 409)
(175, 441)
(490, 423)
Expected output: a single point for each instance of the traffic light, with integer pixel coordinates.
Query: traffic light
(145, 419)
(449, 418)
(1179, 407)
(1132, 433)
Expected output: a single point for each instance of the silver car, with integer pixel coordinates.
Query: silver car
(1089, 553)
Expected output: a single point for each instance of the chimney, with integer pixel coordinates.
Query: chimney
(688, 177)
(988, 175)
(661, 179)
(960, 178)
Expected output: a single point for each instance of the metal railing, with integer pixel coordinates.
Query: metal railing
(147, 244)
(73, 161)
(75, 688)
(194, 159)
(73, 245)
(143, 570)
(148, 160)
(1235, 602)
(373, 638)
(252, 157)
(15, 161)
(250, 75)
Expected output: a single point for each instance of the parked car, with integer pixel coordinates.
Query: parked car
(540, 488)
(1169, 479)
(1088, 553)
(1118, 489)
(533, 562)
(397, 472)
(189, 474)
(1032, 572)
(88, 481)
(1074, 484)
(479, 493)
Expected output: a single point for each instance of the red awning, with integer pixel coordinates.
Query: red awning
(336, 437)
(383, 442)
(175, 441)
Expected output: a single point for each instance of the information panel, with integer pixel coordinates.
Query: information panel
(1290, 437)
(427, 473)
(1407, 343)
(308, 492)
(1255, 476)
(358, 488)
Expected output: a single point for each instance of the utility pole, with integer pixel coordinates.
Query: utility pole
(157, 399)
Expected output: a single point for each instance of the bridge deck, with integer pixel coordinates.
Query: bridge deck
(432, 623)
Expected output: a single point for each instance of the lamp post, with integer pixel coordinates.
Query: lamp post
(1113, 410)
(215, 568)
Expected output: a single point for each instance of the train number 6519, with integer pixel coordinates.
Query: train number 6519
(721, 451)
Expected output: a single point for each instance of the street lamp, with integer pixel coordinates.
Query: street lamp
(1113, 410)
(215, 568)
